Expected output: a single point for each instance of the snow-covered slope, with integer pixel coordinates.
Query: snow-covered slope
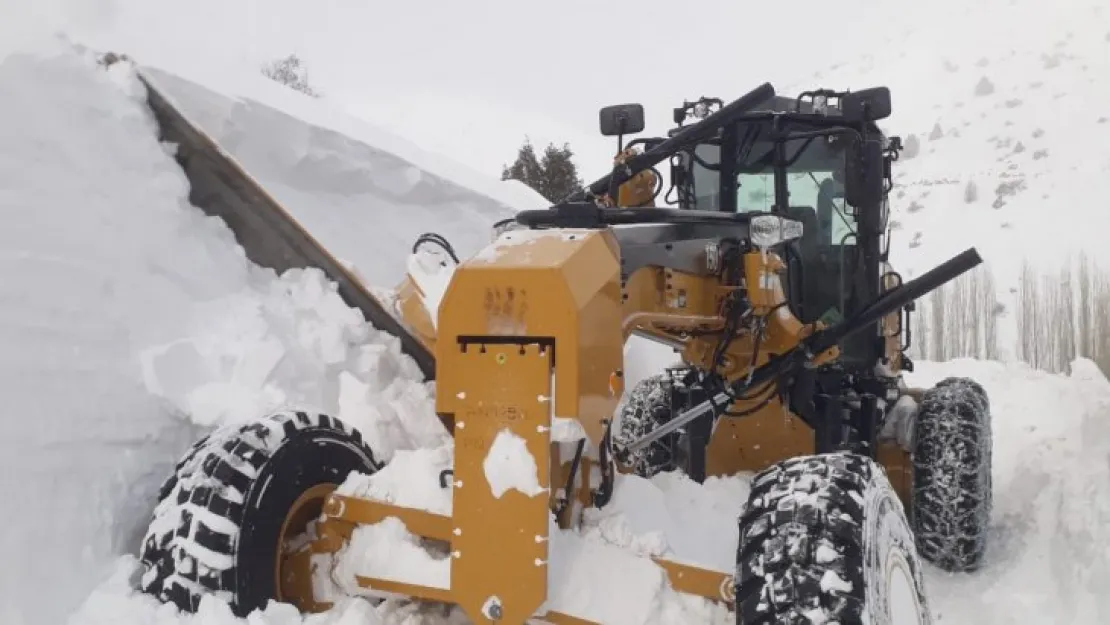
(1003, 107)
(364, 193)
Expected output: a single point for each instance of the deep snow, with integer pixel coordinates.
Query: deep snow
(124, 309)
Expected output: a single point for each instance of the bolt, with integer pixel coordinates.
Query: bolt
(492, 609)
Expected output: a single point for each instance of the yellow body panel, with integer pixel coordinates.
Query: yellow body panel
(562, 287)
(499, 542)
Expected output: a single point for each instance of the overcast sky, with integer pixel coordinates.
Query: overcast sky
(470, 79)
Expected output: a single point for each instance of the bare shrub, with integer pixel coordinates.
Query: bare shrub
(290, 72)
(960, 319)
(1063, 315)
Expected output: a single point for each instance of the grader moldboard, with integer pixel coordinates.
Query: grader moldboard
(770, 278)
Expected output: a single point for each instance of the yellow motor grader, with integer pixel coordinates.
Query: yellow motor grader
(768, 273)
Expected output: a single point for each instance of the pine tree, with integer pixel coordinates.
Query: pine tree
(560, 173)
(554, 176)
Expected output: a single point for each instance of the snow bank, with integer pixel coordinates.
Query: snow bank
(1048, 553)
(365, 194)
(99, 258)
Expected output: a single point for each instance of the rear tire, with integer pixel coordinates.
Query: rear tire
(216, 527)
(952, 486)
(824, 539)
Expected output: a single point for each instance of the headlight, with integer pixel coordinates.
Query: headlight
(769, 230)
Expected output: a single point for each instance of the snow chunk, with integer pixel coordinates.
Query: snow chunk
(294, 344)
(388, 551)
(831, 581)
(567, 430)
(432, 275)
(674, 517)
(410, 480)
(592, 580)
(509, 465)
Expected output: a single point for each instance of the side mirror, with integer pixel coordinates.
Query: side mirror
(866, 105)
(621, 119)
(863, 173)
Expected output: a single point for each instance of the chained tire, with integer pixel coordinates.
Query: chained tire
(825, 539)
(647, 407)
(219, 519)
(952, 486)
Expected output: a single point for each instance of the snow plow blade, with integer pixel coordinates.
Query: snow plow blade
(269, 234)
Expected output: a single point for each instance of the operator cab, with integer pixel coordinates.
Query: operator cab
(792, 157)
(818, 159)
(826, 166)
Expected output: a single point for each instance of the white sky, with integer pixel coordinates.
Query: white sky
(470, 79)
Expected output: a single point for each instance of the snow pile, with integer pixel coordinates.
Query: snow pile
(388, 551)
(100, 257)
(410, 480)
(293, 343)
(674, 517)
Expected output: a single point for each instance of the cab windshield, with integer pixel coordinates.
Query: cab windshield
(814, 182)
(822, 266)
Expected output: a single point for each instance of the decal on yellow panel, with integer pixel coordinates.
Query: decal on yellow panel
(506, 309)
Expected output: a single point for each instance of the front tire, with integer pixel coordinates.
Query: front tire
(216, 527)
(825, 539)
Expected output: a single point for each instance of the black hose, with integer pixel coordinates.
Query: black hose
(432, 237)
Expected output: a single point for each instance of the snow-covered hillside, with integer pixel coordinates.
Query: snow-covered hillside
(1002, 106)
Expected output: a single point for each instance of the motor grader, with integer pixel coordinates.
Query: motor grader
(768, 274)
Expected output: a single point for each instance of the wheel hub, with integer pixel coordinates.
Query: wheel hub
(293, 569)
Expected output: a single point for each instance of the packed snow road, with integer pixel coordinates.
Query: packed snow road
(131, 322)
